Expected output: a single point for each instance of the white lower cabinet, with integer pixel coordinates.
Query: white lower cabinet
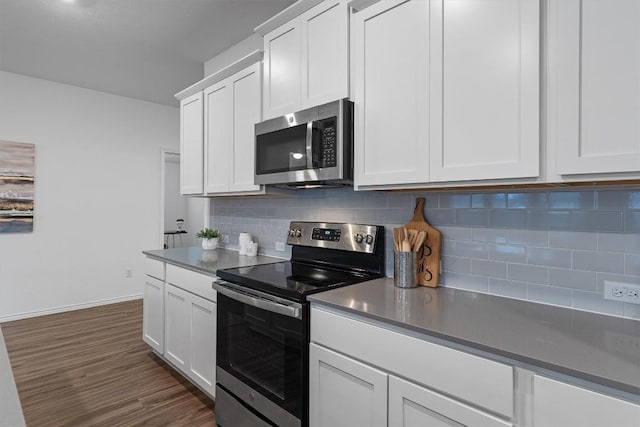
(559, 404)
(354, 382)
(344, 392)
(153, 314)
(411, 405)
(190, 328)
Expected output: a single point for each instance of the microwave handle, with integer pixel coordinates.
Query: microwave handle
(309, 143)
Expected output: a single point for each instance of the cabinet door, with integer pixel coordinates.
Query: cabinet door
(325, 53)
(153, 314)
(247, 111)
(594, 95)
(413, 406)
(218, 136)
(191, 145)
(484, 89)
(282, 70)
(391, 74)
(177, 327)
(202, 345)
(344, 392)
(560, 404)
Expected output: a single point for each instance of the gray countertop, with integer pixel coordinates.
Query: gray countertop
(207, 262)
(589, 346)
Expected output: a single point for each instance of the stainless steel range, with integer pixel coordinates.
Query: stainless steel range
(263, 320)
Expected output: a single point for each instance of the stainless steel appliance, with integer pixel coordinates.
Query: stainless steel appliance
(310, 148)
(263, 321)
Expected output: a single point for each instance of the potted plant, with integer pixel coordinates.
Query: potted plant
(209, 238)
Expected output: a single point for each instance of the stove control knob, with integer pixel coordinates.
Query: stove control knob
(298, 233)
(369, 239)
(292, 232)
(358, 238)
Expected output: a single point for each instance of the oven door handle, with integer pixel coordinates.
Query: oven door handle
(259, 299)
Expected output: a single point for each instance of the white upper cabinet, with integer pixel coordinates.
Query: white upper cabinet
(391, 95)
(232, 108)
(306, 60)
(191, 145)
(484, 89)
(594, 85)
(446, 91)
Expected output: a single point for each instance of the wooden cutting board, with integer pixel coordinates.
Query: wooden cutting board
(428, 258)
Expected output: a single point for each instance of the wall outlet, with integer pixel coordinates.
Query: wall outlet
(128, 273)
(280, 246)
(225, 238)
(623, 292)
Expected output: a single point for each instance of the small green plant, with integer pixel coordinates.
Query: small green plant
(208, 233)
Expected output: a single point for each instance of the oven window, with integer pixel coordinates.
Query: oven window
(281, 151)
(263, 350)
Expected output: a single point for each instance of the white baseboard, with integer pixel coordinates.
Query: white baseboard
(62, 309)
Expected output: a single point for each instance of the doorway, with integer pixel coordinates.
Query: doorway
(175, 206)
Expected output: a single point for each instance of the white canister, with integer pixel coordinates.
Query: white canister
(252, 249)
(243, 239)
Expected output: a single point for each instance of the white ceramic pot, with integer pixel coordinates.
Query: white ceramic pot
(243, 240)
(209, 244)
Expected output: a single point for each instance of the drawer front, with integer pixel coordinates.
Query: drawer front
(471, 378)
(196, 283)
(154, 268)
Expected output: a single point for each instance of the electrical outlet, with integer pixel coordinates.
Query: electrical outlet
(225, 238)
(623, 292)
(128, 273)
(280, 246)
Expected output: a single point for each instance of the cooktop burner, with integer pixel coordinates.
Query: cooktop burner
(323, 256)
(292, 280)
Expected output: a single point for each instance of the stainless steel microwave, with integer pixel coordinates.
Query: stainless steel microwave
(310, 148)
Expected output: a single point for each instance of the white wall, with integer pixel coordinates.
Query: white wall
(231, 55)
(97, 200)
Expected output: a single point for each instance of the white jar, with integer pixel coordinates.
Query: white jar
(243, 240)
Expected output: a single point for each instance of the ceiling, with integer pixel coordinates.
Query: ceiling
(144, 49)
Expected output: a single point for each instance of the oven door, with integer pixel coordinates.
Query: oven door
(261, 354)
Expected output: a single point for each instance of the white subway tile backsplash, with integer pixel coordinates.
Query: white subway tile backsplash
(555, 247)
(549, 295)
(489, 268)
(549, 257)
(507, 253)
(508, 288)
(573, 240)
(598, 261)
(528, 273)
(575, 279)
(597, 220)
(593, 301)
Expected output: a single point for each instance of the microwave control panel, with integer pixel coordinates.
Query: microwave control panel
(328, 143)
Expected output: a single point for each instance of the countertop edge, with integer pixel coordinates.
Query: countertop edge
(518, 358)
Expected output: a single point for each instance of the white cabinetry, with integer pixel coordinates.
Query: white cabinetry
(190, 326)
(411, 405)
(391, 94)
(306, 60)
(344, 385)
(446, 91)
(594, 89)
(191, 145)
(232, 108)
(344, 392)
(153, 305)
(559, 404)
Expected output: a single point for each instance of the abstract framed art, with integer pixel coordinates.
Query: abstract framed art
(17, 170)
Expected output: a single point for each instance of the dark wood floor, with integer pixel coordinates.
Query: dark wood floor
(91, 368)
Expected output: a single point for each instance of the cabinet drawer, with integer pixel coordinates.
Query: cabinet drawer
(470, 378)
(196, 283)
(154, 268)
